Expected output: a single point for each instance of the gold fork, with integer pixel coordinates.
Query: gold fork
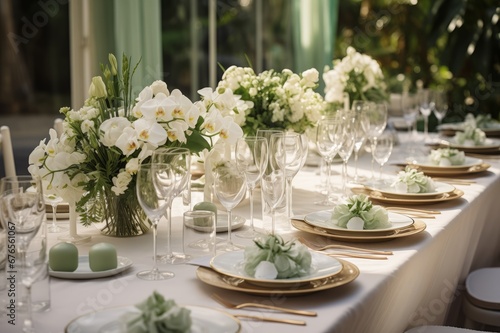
(231, 305)
(318, 247)
(271, 319)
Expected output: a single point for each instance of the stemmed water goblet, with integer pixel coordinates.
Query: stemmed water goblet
(153, 185)
(23, 209)
(251, 160)
(382, 150)
(328, 135)
(180, 161)
(54, 201)
(273, 181)
(230, 188)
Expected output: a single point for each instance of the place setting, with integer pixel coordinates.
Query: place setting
(359, 220)
(252, 270)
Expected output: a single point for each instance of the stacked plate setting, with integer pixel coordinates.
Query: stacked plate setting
(227, 272)
(320, 223)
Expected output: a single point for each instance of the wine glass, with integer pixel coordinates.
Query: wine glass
(229, 187)
(328, 142)
(359, 131)
(377, 114)
(347, 145)
(410, 107)
(23, 210)
(180, 160)
(382, 150)
(274, 178)
(251, 160)
(439, 105)
(152, 199)
(425, 106)
(293, 153)
(54, 201)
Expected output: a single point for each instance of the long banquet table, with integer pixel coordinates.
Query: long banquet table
(421, 283)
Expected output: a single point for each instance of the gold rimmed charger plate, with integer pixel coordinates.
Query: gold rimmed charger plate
(417, 227)
(377, 196)
(348, 273)
(441, 189)
(451, 173)
(470, 162)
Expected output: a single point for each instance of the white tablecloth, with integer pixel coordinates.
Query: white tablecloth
(417, 285)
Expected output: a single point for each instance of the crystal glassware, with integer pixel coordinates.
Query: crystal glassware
(377, 115)
(23, 209)
(251, 160)
(347, 145)
(359, 131)
(229, 188)
(425, 107)
(328, 141)
(154, 200)
(382, 150)
(274, 178)
(54, 201)
(180, 160)
(439, 104)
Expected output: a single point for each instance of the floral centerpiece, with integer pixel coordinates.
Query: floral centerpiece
(356, 74)
(470, 135)
(277, 99)
(273, 258)
(358, 213)
(94, 162)
(411, 180)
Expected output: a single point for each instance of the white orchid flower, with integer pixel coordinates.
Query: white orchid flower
(213, 121)
(150, 131)
(128, 142)
(159, 87)
(145, 95)
(230, 131)
(176, 131)
(111, 129)
(158, 108)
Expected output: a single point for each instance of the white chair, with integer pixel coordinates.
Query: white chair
(482, 302)
(7, 152)
(441, 329)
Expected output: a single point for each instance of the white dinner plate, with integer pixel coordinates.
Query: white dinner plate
(231, 264)
(387, 190)
(110, 320)
(238, 222)
(322, 219)
(489, 145)
(84, 272)
(468, 163)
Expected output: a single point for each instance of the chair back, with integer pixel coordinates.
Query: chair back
(7, 152)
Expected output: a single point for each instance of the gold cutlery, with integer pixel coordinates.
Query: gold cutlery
(231, 305)
(356, 255)
(271, 319)
(318, 247)
(413, 210)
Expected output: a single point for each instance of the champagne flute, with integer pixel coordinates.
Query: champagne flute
(382, 150)
(293, 153)
(180, 160)
(425, 106)
(229, 187)
(273, 180)
(54, 201)
(440, 105)
(328, 144)
(410, 107)
(347, 145)
(154, 200)
(23, 209)
(359, 131)
(251, 160)
(378, 121)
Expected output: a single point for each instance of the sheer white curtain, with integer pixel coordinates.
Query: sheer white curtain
(101, 27)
